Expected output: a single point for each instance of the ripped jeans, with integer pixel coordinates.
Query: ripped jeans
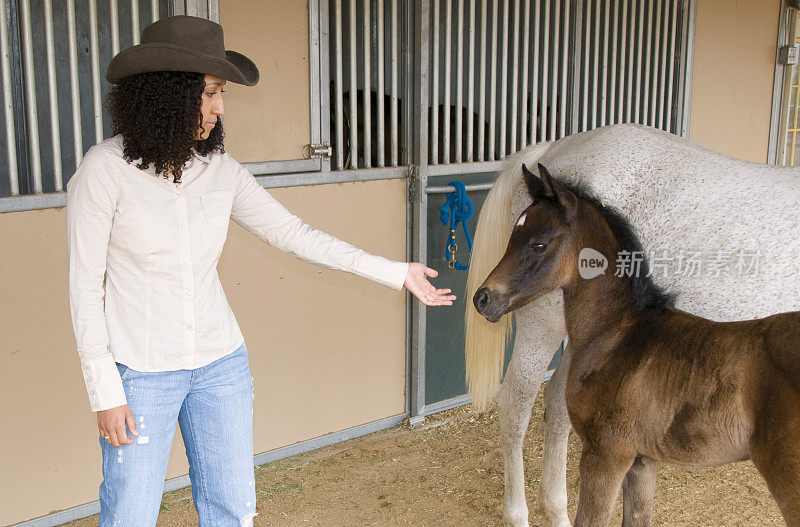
(214, 407)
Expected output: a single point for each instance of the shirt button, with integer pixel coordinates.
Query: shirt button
(183, 224)
(188, 293)
(186, 259)
(189, 328)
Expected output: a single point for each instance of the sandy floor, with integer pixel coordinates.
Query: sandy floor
(449, 472)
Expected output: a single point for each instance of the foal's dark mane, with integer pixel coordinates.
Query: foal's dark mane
(647, 297)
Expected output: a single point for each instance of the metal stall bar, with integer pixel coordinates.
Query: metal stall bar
(669, 59)
(638, 93)
(614, 48)
(623, 46)
(576, 64)
(8, 105)
(493, 84)
(515, 79)
(420, 204)
(30, 98)
(435, 89)
(604, 87)
(504, 83)
(687, 65)
(657, 47)
(663, 70)
(526, 40)
(647, 60)
(55, 135)
(395, 90)
(353, 87)
(448, 47)
(631, 48)
(380, 110)
(545, 70)
(95, 48)
(154, 9)
(471, 82)
(73, 83)
(469, 188)
(562, 126)
(337, 20)
(459, 83)
(482, 85)
(135, 21)
(533, 128)
(367, 91)
(587, 38)
(113, 12)
(671, 74)
(595, 64)
(554, 82)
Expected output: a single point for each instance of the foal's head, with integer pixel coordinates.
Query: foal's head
(562, 229)
(541, 255)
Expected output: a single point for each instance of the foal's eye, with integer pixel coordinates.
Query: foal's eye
(539, 247)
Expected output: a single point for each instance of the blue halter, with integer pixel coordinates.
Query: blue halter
(457, 209)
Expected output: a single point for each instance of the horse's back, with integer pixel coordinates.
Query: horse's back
(735, 221)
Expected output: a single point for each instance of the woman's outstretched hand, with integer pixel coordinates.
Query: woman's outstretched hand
(419, 286)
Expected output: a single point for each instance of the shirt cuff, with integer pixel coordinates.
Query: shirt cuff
(385, 272)
(103, 383)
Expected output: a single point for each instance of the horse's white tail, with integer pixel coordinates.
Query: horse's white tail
(485, 341)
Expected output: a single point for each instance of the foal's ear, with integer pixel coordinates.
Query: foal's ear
(555, 189)
(536, 186)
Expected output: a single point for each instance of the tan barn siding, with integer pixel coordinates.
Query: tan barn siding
(327, 349)
(734, 69)
(269, 121)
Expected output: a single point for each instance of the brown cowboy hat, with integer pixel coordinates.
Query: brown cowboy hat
(183, 43)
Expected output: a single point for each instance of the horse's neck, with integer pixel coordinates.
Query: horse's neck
(595, 306)
(596, 309)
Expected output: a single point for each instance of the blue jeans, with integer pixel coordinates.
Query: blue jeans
(214, 407)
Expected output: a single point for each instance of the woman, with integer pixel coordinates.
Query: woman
(147, 216)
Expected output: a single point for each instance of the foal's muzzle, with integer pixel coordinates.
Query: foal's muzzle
(489, 304)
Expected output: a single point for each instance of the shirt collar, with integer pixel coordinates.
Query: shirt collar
(205, 159)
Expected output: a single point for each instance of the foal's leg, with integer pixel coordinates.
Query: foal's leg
(776, 454)
(540, 329)
(638, 489)
(553, 487)
(602, 472)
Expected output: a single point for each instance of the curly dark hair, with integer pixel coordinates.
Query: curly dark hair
(158, 115)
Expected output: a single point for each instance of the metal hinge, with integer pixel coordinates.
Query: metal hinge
(413, 172)
(320, 151)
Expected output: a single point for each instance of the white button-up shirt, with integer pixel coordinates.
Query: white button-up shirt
(143, 284)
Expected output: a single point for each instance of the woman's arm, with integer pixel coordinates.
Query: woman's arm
(92, 194)
(257, 211)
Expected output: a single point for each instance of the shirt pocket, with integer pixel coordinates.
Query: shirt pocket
(217, 207)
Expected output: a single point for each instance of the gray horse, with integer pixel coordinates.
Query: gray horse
(722, 233)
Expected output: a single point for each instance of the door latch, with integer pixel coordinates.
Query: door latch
(320, 151)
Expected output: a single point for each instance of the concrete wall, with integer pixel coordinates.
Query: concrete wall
(734, 69)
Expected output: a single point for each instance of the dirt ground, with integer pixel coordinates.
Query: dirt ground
(449, 473)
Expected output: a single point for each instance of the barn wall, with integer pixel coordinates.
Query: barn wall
(269, 121)
(734, 68)
(327, 349)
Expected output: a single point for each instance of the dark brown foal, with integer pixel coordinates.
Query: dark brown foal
(648, 383)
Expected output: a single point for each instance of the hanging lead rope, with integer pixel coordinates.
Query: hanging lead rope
(457, 209)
